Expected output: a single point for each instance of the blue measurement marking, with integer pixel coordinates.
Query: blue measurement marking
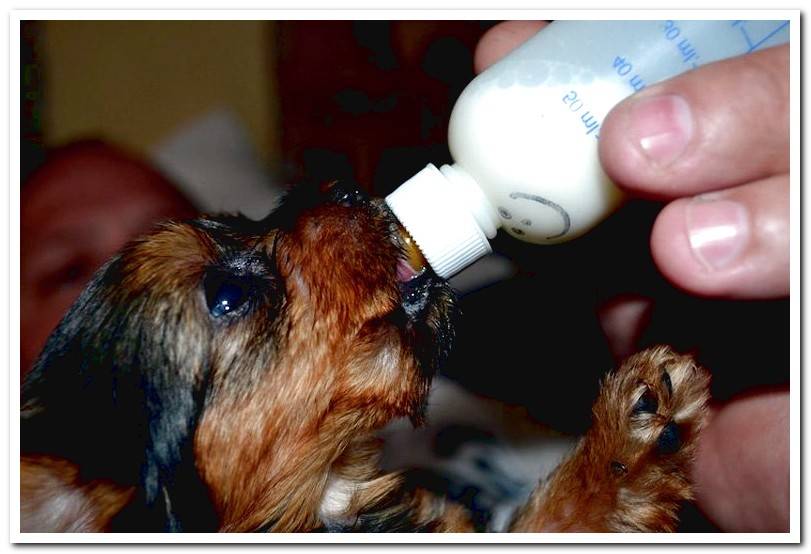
(623, 68)
(575, 104)
(752, 46)
(684, 45)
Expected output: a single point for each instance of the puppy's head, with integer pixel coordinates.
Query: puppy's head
(221, 361)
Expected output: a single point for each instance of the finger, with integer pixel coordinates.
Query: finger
(720, 125)
(501, 40)
(741, 471)
(733, 243)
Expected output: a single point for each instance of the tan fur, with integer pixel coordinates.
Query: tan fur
(52, 497)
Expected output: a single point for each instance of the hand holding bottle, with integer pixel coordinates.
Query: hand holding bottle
(524, 137)
(720, 157)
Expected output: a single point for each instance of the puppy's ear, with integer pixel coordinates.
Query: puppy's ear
(118, 391)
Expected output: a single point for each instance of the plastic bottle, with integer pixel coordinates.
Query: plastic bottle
(524, 133)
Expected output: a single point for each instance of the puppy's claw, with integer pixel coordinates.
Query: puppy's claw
(669, 440)
(647, 403)
(667, 382)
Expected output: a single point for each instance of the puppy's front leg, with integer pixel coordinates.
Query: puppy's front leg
(630, 471)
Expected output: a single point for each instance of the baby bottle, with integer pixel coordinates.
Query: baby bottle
(524, 133)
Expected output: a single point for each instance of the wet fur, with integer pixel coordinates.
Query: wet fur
(145, 412)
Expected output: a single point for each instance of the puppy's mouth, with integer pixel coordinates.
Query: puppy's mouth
(411, 263)
(415, 278)
(421, 290)
(427, 301)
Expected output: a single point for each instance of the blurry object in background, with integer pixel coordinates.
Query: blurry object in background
(369, 101)
(134, 82)
(484, 454)
(83, 204)
(214, 162)
(32, 152)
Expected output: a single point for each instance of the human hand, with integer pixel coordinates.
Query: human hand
(724, 233)
(714, 142)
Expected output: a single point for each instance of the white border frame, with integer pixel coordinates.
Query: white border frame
(489, 14)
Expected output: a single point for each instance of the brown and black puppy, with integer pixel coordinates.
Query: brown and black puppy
(228, 375)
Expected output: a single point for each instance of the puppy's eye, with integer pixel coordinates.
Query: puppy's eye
(225, 294)
(228, 297)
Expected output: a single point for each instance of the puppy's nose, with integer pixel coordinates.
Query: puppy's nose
(346, 195)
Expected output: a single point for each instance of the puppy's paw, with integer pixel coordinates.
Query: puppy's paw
(648, 418)
(630, 472)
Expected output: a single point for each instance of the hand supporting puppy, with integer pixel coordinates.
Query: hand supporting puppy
(721, 160)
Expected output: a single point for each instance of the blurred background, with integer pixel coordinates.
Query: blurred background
(128, 122)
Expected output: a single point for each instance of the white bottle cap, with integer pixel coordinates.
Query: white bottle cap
(432, 210)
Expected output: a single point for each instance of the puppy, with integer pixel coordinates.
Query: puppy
(228, 375)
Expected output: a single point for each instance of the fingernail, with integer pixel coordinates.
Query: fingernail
(718, 230)
(662, 127)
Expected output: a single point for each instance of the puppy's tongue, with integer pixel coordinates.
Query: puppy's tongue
(413, 263)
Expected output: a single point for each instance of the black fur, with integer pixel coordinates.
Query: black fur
(103, 395)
